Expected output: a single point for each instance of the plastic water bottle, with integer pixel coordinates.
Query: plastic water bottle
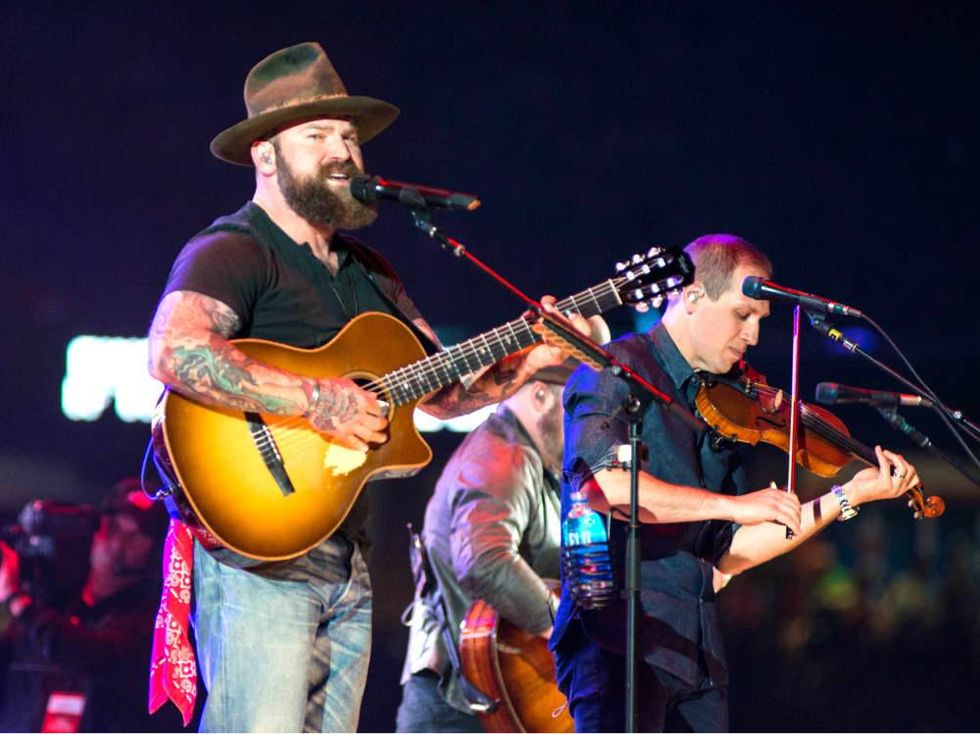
(585, 555)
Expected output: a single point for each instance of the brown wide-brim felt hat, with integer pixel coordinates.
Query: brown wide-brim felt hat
(292, 85)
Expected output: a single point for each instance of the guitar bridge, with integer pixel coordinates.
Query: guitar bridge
(265, 442)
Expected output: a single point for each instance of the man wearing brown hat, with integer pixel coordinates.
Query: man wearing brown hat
(285, 646)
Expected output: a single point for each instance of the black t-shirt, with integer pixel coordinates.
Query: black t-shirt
(283, 293)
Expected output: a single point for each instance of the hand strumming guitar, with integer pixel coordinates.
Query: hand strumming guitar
(347, 413)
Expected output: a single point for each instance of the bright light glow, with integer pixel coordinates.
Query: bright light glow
(100, 370)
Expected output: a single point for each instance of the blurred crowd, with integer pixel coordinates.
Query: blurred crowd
(79, 587)
(878, 630)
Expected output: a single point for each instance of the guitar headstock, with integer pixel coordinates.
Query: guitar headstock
(646, 279)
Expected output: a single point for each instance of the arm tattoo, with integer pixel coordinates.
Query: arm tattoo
(333, 407)
(225, 321)
(190, 352)
(497, 383)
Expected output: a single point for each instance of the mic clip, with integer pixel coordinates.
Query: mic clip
(818, 322)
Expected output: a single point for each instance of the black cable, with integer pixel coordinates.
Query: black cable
(942, 413)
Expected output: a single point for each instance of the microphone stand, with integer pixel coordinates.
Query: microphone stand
(633, 407)
(897, 421)
(891, 416)
(834, 334)
(597, 357)
(794, 410)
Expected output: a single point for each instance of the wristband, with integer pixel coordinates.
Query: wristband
(846, 510)
(314, 396)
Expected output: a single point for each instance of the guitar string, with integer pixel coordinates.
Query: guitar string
(407, 381)
(300, 436)
(413, 381)
(408, 387)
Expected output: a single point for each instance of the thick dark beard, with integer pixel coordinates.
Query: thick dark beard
(319, 204)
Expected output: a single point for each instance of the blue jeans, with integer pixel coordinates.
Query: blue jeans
(424, 709)
(282, 655)
(594, 680)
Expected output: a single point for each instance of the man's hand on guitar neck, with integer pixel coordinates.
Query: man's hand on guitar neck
(553, 351)
(505, 377)
(351, 415)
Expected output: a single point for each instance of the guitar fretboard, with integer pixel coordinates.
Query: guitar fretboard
(428, 375)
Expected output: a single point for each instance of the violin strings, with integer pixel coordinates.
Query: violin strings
(814, 421)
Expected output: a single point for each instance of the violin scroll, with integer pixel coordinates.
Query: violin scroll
(747, 411)
(925, 507)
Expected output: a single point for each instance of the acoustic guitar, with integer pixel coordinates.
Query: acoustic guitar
(515, 669)
(272, 487)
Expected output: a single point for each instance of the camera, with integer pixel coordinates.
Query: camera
(52, 540)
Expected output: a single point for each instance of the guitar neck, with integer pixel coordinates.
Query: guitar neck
(432, 373)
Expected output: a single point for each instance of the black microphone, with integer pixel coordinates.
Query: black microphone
(761, 289)
(830, 393)
(370, 189)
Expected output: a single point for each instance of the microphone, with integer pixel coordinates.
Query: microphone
(369, 189)
(830, 393)
(761, 289)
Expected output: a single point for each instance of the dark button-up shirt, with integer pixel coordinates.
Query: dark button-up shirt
(679, 625)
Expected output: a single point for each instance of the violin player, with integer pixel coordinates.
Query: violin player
(699, 523)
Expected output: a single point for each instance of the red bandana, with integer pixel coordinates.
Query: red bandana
(173, 669)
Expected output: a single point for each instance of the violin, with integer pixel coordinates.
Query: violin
(747, 410)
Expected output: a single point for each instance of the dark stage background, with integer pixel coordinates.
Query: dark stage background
(840, 137)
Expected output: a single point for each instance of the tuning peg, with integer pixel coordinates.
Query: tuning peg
(674, 283)
(634, 296)
(641, 306)
(620, 267)
(639, 258)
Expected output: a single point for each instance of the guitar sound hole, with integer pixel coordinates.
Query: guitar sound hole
(365, 382)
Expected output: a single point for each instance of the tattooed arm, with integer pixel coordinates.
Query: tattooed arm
(494, 384)
(502, 379)
(190, 352)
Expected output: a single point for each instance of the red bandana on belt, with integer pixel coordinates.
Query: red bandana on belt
(173, 669)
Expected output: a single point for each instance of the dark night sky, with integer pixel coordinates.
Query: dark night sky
(840, 137)
(843, 140)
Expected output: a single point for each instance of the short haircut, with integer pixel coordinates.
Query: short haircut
(716, 256)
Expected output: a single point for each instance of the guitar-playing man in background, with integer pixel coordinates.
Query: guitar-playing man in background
(492, 531)
(285, 646)
(696, 515)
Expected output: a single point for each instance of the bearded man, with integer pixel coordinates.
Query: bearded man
(284, 646)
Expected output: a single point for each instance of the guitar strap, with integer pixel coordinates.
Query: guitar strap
(371, 263)
(425, 580)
